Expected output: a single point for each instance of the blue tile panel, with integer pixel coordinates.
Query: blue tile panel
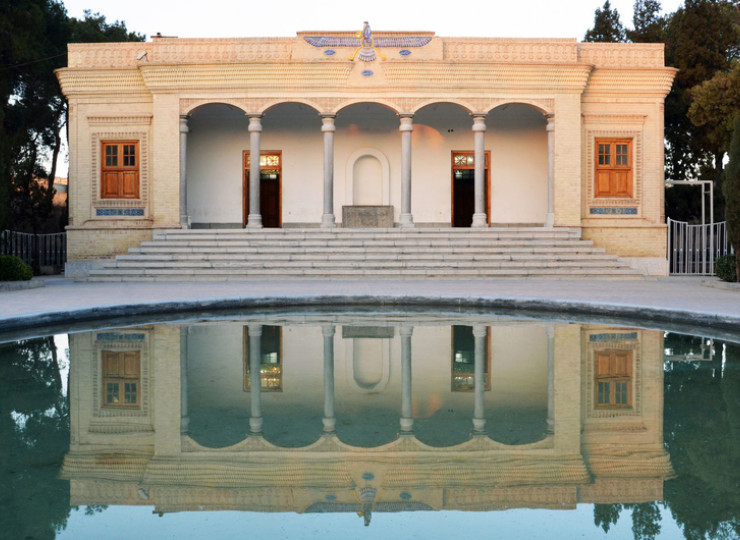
(612, 336)
(367, 73)
(400, 41)
(330, 52)
(117, 212)
(404, 52)
(613, 211)
(117, 336)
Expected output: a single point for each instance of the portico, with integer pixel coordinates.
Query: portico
(438, 132)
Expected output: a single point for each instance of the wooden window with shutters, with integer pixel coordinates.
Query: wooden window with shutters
(613, 379)
(614, 170)
(119, 175)
(121, 379)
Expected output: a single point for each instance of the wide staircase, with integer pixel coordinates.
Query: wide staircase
(446, 253)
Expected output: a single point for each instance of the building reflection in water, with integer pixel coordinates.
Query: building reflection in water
(366, 414)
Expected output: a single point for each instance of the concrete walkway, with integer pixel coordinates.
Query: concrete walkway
(693, 302)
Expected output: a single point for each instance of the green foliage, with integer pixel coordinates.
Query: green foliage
(649, 25)
(724, 267)
(731, 189)
(34, 430)
(607, 26)
(702, 38)
(13, 268)
(33, 43)
(715, 103)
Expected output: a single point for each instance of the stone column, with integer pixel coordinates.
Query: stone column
(480, 219)
(550, 379)
(480, 333)
(407, 415)
(184, 417)
(184, 219)
(407, 127)
(254, 220)
(255, 378)
(550, 217)
(329, 419)
(327, 127)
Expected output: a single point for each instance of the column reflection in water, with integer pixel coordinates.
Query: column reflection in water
(562, 414)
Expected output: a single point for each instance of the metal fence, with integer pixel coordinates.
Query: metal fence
(38, 250)
(692, 249)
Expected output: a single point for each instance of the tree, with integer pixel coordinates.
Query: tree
(731, 190)
(33, 111)
(649, 25)
(607, 26)
(714, 105)
(702, 38)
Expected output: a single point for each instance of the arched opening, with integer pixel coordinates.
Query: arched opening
(517, 138)
(367, 181)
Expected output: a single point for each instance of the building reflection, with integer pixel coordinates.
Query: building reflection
(363, 413)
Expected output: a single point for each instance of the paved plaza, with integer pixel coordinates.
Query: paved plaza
(701, 301)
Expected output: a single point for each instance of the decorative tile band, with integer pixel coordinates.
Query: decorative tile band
(119, 212)
(612, 336)
(117, 336)
(601, 210)
(329, 41)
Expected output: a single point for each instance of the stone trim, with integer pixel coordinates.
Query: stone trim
(120, 341)
(612, 339)
(598, 207)
(98, 203)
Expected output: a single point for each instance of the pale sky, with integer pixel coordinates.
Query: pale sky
(283, 18)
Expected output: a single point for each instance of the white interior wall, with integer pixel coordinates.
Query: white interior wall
(515, 136)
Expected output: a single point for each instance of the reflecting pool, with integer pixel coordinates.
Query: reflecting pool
(373, 425)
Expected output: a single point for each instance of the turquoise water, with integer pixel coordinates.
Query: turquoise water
(370, 426)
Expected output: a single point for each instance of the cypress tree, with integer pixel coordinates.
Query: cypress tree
(731, 189)
(607, 26)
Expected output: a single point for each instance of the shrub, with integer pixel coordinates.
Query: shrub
(724, 267)
(13, 268)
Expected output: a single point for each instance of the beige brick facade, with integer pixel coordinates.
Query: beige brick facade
(138, 92)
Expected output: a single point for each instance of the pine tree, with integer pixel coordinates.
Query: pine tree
(649, 25)
(607, 26)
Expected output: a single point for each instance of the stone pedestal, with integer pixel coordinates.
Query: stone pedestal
(362, 217)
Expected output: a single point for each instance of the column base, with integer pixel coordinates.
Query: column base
(480, 220)
(254, 221)
(406, 221)
(329, 425)
(549, 220)
(255, 425)
(407, 424)
(184, 222)
(479, 425)
(328, 221)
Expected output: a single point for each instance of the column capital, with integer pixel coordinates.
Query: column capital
(255, 122)
(327, 122)
(407, 122)
(328, 330)
(480, 331)
(406, 331)
(550, 117)
(255, 329)
(184, 123)
(479, 122)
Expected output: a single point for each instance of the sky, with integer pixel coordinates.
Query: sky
(283, 18)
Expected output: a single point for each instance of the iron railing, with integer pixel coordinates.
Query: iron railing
(38, 250)
(692, 249)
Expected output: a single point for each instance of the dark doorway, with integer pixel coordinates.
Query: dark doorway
(271, 178)
(463, 188)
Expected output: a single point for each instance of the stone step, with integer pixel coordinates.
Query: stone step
(236, 254)
(145, 258)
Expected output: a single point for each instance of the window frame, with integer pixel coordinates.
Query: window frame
(120, 181)
(614, 180)
(121, 377)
